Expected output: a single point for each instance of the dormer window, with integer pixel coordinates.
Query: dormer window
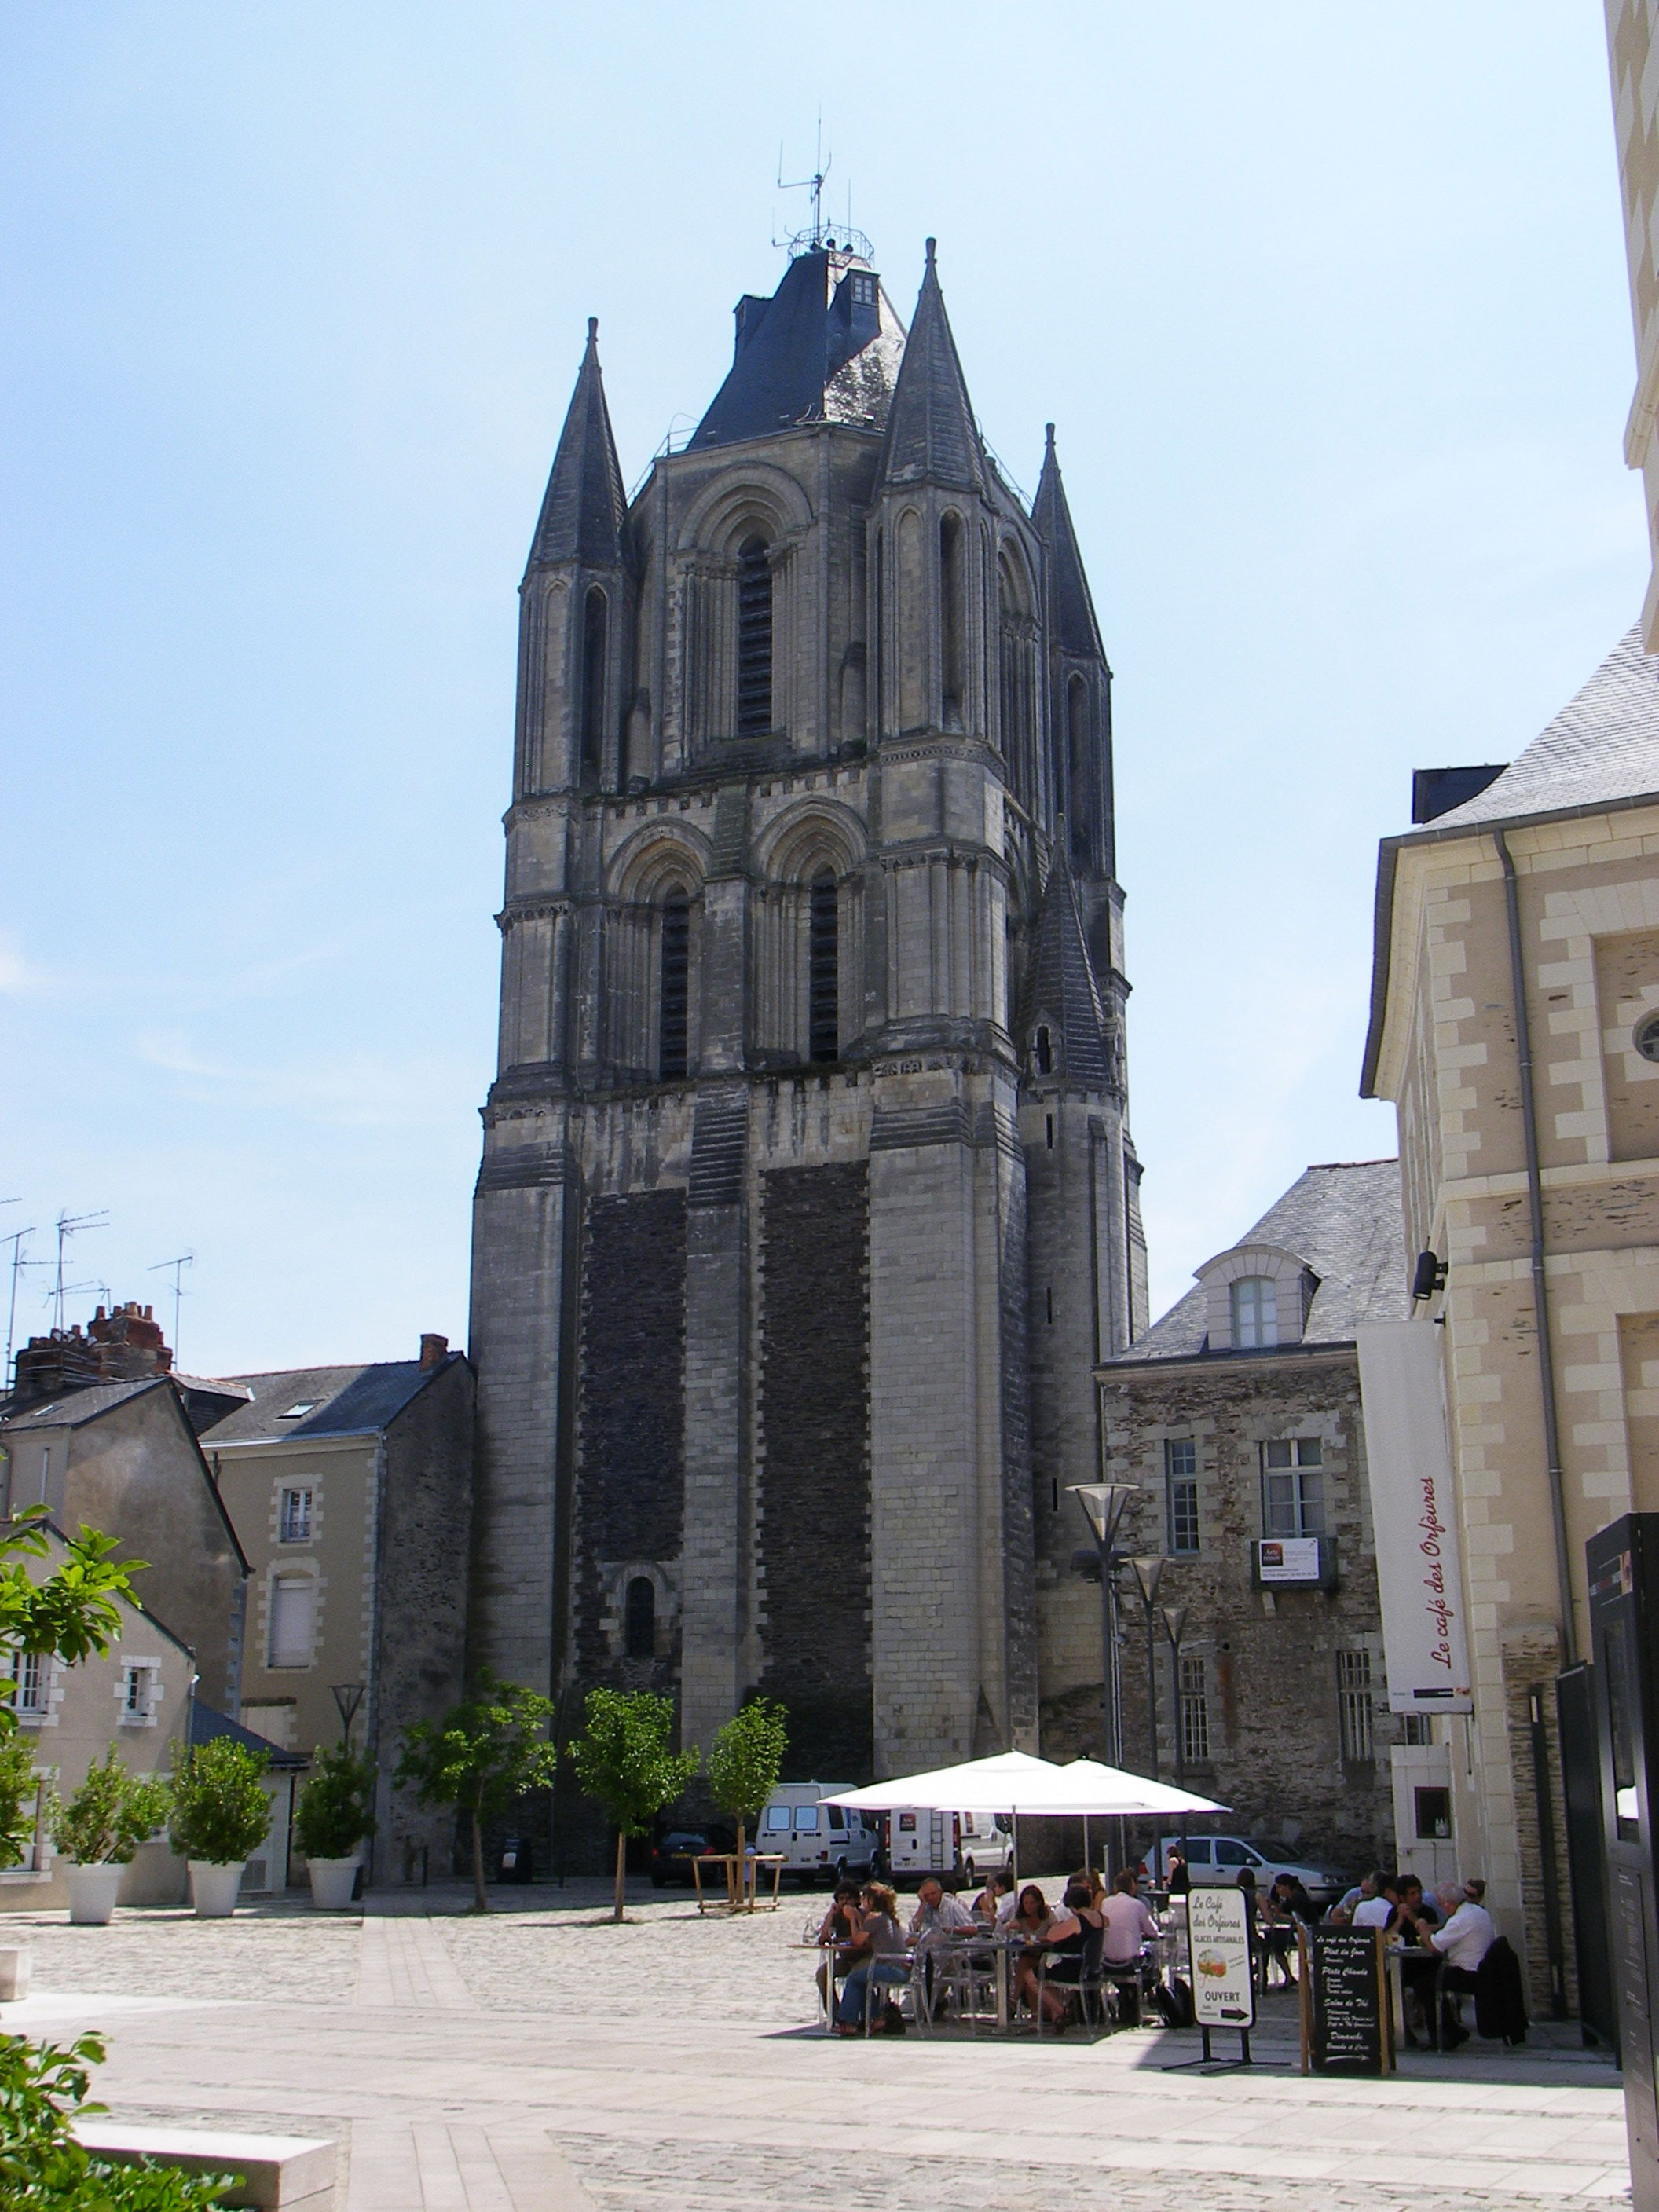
(1255, 1312)
(864, 291)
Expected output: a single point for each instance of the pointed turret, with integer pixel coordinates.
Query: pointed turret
(1066, 1028)
(584, 515)
(1071, 603)
(932, 436)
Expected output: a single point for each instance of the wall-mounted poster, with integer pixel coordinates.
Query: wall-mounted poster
(1219, 1948)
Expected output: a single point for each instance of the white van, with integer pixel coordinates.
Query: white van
(964, 1846)
(819, 1842)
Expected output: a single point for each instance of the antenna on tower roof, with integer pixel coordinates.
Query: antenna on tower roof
(815, 239)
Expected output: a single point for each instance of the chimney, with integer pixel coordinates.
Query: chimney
(435, 1350)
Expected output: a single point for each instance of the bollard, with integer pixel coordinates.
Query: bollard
(14, 1976)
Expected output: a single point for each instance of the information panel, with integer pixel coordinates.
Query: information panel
(1348, 2022)
(1219, 1948)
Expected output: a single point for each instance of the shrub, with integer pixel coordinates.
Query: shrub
(220, 1811)
(109, 1815)
(334, 1813)
(42, 2089)
(18, 1791)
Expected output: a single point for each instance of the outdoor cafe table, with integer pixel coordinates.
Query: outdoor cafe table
(742, 1877)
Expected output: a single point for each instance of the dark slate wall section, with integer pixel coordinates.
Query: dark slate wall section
(630, 1487)
(813, 1492)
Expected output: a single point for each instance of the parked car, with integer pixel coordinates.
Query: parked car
(671, 1856)
(1217, 1860)
(817, 1842)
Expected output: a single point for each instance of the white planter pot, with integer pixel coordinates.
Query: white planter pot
(93, 1891)
(214, 1887)
(332, 1882)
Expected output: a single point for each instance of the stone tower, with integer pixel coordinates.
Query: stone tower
(807, 1199)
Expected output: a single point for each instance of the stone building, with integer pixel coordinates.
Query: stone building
(1237, 1417)
(1514, 1023)
(350, 1488)
(807, 1201)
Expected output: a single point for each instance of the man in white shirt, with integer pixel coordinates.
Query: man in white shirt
(1377, 1909)
(1463, 1943)
(937, 1916)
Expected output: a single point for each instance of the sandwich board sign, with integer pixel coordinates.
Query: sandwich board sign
(1219, 1951)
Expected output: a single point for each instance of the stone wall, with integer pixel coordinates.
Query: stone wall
(631, 1483)
(813, 1489)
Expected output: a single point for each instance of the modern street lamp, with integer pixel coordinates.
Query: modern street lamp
(1149, 1573)
(347, 1695)
(1104, 1506)
(1175, 1623)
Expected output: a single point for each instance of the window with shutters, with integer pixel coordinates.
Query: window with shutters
(293, 1620)
(754, 638)
(294, 1524)
(31, 1676)
(824, 968)
(674, 987)
(139, 1685)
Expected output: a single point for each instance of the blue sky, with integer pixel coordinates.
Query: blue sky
(1329, 304)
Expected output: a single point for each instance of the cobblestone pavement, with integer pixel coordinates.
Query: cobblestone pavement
(544, 2060)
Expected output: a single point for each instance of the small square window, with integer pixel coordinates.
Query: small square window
(294, 1525)
(138, 1696)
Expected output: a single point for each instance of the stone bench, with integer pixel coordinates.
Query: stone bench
(275, 2173)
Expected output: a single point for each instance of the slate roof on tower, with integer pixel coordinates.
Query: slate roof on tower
(1062, 986)
(931, 435)
(825, 347)
(1071, 603)
(584, 513)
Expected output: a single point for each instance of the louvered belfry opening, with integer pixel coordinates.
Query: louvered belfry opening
(754, 639)
(951, 623)
(674, 991)
(824, 969)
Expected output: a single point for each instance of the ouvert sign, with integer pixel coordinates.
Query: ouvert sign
(1419, 1566)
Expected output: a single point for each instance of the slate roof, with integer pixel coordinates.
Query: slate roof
(349, 1401)
(931, 430)
(811, 353)
(1071, 603)
(206, 1727)
(1062, 984)
(1346, 1221)
(1603, 745)
(73, 1409)
(584, 513)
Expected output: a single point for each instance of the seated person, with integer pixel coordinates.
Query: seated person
(843, 1927)
(1066, 1971)
(1378, 1909)
(939, 1915)
(1280, 1920)
(1463, 1943)
(1414, 1922)
(1129, 1928)
(1178, 1881)
(885, 1966)
(1042, 1930)
(996, 1901)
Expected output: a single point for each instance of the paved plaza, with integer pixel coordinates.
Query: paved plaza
(542, 2060)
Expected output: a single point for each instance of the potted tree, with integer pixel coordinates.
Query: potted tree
(334, 1817)
(98, 1831)
(220, 1814)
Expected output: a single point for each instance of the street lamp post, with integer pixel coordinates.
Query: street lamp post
(1175, 1622)
(1149, 1572)
(347, 1695)
(1103, 1505)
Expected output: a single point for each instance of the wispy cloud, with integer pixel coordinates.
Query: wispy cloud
(358, 1091)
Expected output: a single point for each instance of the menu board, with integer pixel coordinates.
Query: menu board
(1347, 2023)
(1219, 1948)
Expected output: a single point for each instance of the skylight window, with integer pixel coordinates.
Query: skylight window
(305, 1406)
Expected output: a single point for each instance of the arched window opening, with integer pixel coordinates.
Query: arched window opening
(640, 1618)
(1045, 1052)
(824, 969)
(950, 618)
(595, 616)
(674, 993)
(1078, 782)
(754, 639)
(1255, 1312)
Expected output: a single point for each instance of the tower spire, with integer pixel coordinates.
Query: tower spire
(584, 512)
(932, 435)
(1076, 629)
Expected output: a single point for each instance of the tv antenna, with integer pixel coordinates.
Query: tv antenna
(68, 1225)
(184, 1260)
(18, 1263)
(815, 239)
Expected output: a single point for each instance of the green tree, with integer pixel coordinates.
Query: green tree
(622, 1758)
(745, 1758)
(335, 1809)
(19, 1790)
(483, 1755)
(220, 1810)
(109, 1815)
